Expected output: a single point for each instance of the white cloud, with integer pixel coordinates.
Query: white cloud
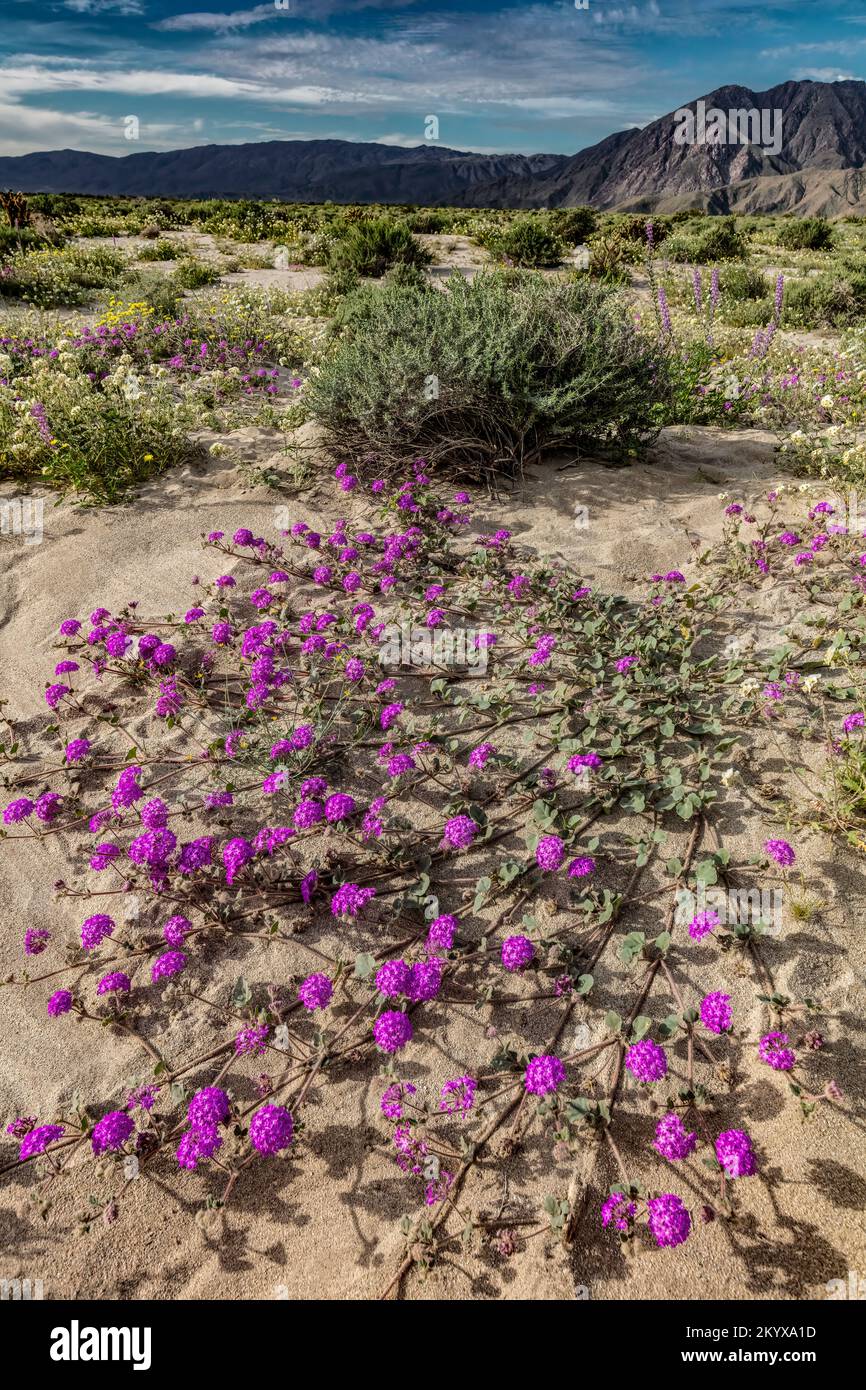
(221, 23)
(405, 142)
(59, 76)
(305, 10)
(533, 60)
(825, 75)
(562, 106)
(123, 7)
(523, 70)
(632, 16)
(795, 50)
(24, 129)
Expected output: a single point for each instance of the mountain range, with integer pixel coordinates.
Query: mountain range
(816, 166)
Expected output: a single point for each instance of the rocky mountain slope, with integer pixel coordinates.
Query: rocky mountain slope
(814, 165)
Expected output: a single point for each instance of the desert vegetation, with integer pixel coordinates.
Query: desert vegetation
(390, 811)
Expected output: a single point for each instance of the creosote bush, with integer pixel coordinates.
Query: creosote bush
(488, 373)
(372, 247)
(160, 249)
(191, 274)
(719, 240)
(375, 819)
(805, 234)
(573, 225)
(529, 242)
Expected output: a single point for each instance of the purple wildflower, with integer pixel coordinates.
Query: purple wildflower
(549, 853)
(773, 1049)
(392, 1030)
(112, 1131)
(543, 1075)
(669, 1219)
(734, 1152)
(517, 952)
(716, 1013)
(673, 1140)
(646, 1061)
(315, 992)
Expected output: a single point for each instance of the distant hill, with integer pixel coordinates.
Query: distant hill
(292, 170)
(818, 166)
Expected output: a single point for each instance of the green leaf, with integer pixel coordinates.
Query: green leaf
(241, 994)
(705, 873)
(365, 964)
(482, 888)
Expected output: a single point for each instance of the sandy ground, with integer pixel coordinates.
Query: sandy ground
(324, 1223)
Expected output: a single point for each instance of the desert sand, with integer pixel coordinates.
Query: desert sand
(324, 1223)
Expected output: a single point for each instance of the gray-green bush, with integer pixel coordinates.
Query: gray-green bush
(720, 240)
(529, 241)
(372, 247)
(805, 234)
(486, 374)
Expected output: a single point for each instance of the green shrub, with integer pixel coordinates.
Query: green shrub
(162, 250)
(14, 239)
(102, 443)
(743, 282)
(805, 234)
(529, 242)
(98, 225)
(826, 301)
(634, 229)
(161, 292)
(486, 373)
(338, 283)
(429, 221)
(573, 226)
(610, 257)
(191, 274)
(371, 248)
(247, 220)
(406, 275)
(721, 241)
(55, 204)
(748, 313)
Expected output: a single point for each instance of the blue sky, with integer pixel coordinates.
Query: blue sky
(498, 75)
